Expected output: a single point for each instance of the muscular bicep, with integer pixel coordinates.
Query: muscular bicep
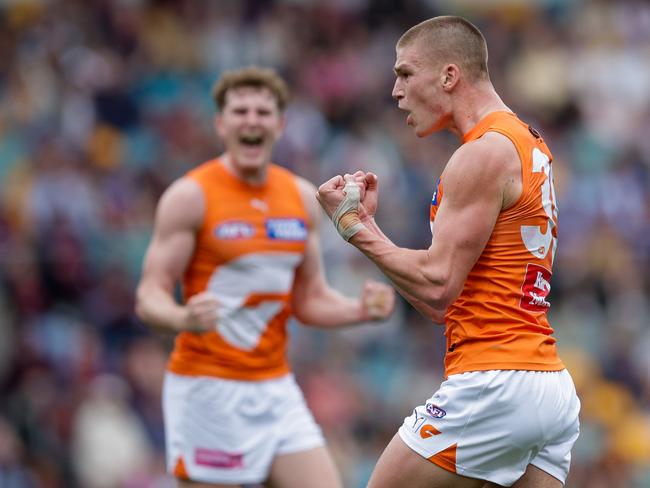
(178, 217)
(474, 181)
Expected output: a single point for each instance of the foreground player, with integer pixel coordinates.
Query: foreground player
(242, 235)
(507, 412)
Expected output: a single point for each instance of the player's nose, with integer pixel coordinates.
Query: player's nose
(398, 92)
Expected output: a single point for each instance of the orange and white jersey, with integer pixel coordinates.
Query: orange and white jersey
(499, 320)
(247, 250)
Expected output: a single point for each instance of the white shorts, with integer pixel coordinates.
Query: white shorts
(492, 424)
(228, 431)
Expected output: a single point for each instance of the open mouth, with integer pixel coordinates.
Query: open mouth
(249, 140)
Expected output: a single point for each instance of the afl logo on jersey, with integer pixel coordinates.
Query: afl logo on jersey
(286, 229)
(435, 411)
(234, 230)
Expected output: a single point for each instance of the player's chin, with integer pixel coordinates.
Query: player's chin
(421, 132)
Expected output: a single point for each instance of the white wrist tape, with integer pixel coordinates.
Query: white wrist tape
(349, 204)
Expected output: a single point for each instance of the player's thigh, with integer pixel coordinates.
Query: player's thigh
(313, 468)
(536, 478)
(399, 466)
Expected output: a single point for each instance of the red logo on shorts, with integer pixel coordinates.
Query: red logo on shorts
(535, 289)
(217, 459)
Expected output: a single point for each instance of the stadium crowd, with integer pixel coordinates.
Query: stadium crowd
(103, 103)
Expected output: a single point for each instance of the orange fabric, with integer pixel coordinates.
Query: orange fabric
(179, 469)
(244, 212)
(428, 430)
(499, 320)
(446, 458)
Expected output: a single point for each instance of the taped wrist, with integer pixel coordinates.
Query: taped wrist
(346, 216)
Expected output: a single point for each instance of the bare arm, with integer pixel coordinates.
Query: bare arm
(314, 301)
(480, 180)
(435, 315)
(178, 216)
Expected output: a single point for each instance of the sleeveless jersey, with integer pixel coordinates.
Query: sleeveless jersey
(247, 250)
(499, 320)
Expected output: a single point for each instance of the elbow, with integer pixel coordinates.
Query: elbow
(439, 299)
(301, 313)
(140, 308)
(440, 293)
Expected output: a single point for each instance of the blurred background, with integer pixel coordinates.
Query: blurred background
(104, 102)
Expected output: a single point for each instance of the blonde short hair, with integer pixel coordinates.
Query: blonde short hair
(451, 39)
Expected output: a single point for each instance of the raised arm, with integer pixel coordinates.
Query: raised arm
(481, 178)
(178, 216)
(314, 301)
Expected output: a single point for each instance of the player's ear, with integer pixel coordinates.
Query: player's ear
(449, 77)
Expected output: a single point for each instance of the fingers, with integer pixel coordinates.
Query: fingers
(203, 311)
(378, 300)
(370, 180)
(332, 184)
(335, 183)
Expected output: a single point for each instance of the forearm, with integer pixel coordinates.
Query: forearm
(157, 308)
(404, 267)
(434, 314)
(327, 308)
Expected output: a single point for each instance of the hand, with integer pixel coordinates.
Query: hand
(369, 200)
(202, 312)
(331, 193)
(377, 300)
(340, 198)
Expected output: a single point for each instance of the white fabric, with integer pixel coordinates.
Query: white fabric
(349, 204)
(230, 431)
(235, 281)
(500, 421)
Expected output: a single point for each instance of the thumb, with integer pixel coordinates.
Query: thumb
(371, 180)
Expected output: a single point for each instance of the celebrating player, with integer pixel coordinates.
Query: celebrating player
(507, 412)
(241, 234)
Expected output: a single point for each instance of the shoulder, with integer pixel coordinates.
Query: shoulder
(307, 192)
(486, 166)
(182, 203)
(492, 152)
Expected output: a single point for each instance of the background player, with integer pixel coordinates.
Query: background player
(241, 234)
(507, 410)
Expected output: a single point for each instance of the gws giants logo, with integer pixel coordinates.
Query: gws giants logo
(535, 289)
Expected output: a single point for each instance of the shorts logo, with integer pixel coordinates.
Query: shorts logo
(435, 411)
(535, 289)
(234, 230)
(217, 459)
(428, 430)
(286, 229)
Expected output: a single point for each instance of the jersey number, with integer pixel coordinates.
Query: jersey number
(537, 242)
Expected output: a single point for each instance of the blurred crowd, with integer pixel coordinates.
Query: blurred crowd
(104, 102)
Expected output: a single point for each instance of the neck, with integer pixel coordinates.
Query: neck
(251, 176)
(473, 104)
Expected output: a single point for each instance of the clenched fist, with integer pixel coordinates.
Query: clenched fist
(202, 312)
(377, 300)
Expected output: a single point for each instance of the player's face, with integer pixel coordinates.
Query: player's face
(249, 124)
(418, 90)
